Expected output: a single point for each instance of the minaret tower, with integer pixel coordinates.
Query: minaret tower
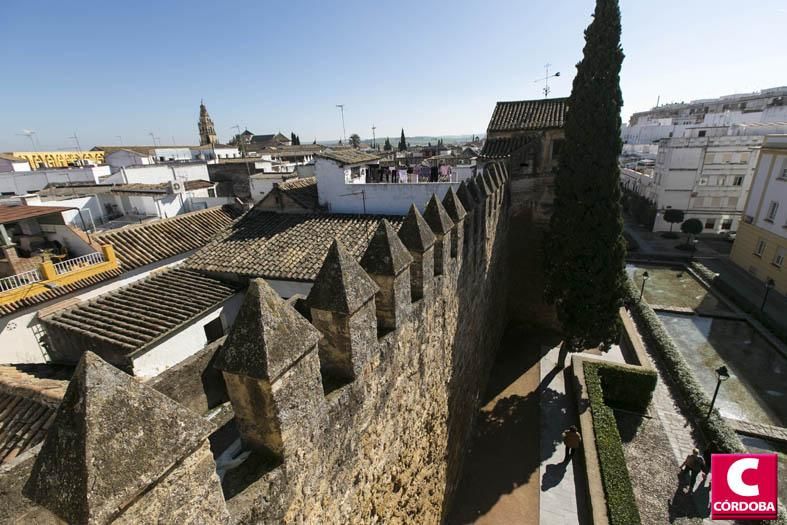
(207, 133)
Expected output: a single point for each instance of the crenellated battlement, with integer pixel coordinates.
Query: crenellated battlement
(357, 406)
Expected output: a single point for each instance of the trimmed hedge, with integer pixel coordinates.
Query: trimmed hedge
(626, 388)
(721, 438)
(742, 302)
(621, 503)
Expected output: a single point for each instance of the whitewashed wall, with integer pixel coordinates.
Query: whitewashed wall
(387, 199)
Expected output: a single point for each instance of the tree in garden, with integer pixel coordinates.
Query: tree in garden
(293, 140)
(355, 140)
(691, 227)
(402, 142)
(673, 216)
(387, 146)
(585, 248)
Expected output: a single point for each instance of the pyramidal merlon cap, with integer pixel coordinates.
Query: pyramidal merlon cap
(415, 233)
(453, 206)
(267, 337)
(465, 196)
(474, 190)
(385, 255)
(436, 216)
(111, 438)
(341, 285)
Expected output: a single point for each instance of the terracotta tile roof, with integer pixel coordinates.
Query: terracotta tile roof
(60, 291)
(303, 191)
(285, 246)
(133, 316)
(13, 213)
(140, 244)
(349, 156)
(502, 147)
(528, 114)
(29, 396)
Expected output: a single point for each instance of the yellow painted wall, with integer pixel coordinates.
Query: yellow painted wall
(743, 254)
(58, 159)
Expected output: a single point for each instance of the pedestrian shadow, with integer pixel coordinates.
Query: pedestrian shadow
(553, 475)
(685, 505)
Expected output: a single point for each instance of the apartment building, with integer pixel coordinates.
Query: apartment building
(761, 244)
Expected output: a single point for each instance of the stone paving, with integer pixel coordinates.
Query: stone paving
(563, 486)
(680, 436)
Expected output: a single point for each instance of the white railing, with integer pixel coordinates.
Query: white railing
(19, 280)
(78, 262)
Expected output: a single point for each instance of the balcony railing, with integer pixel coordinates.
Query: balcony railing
(19, 280)
(77, 263)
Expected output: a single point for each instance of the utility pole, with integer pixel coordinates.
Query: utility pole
(546, 78)
(374, 137)
(344, 131)
(120, 140)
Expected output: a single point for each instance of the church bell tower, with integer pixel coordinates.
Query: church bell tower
(207, 132)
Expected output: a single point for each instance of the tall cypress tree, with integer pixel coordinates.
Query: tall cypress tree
(387, 146)
(585, 249)
(402, 142)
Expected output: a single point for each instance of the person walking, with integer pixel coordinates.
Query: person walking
(695, 464)
(571, 439)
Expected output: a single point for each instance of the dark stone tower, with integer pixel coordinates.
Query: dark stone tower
(207, 133)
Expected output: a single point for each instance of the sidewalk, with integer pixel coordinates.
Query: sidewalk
(514, 474)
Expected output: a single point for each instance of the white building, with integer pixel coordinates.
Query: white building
(122, 158)
(24, 182)
(675, 120)
(640, 183)
(9, 163)
(343, 187)
(708, 178)
(158, 173)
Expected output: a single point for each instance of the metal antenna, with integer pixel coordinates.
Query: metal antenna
(79, 148)
(546, 78)
(344, 131)
(29, 133)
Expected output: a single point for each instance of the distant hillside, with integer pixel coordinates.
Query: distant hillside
(420, 140)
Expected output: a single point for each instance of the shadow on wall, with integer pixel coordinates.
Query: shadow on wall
(497, 466)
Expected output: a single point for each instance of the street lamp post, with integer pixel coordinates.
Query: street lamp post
(721, 375)
(769, 283)
(645, 277)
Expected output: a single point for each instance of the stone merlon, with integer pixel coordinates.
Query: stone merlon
(267, 337)
(341, 286)
(436, 217)
(112, 437)
(453, 206)
(415, 233)
(385, 255)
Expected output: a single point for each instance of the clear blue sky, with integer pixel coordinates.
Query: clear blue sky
(105, 69)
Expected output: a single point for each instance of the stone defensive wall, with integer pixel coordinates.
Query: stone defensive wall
(355, 404)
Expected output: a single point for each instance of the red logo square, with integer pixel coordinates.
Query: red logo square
(744, 486)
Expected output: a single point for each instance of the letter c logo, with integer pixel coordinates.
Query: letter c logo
(735, 477)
